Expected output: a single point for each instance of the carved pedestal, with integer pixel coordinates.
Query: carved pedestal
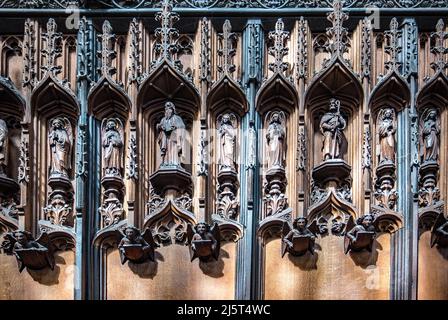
(59, 210)
(385, 194)
(275, 199)
(332, 174)
(429, 193)
(173, 179)
(112, 208)
(227, 202)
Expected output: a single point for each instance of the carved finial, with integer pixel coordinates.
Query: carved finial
(205, 51)
(302, 53)
(52, 48)
(166, 34)
(439, 49)
(365, 48)
(107, 53)
(279, 49)
(393, 48)
(337, 33)
(29, 58)
(227, 51)
(135, 66)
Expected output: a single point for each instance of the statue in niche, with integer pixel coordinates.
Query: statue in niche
(386, 133)
(171, 137)
(136, 247)
(299, 238)
(361, 235)
(3, 146)
(204, 240)
(227, 135)
(430, 135)
(30, 253)
(276, 139)
(60, 139)
(331, 126)
(112, 143)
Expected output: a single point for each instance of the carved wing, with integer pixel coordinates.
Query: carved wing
(216, 232)
(190, 233)
(147, 236)
(350, 225)
(8, 243)
(286, 228)
(44, 240)
(313, 227)
(434, 234)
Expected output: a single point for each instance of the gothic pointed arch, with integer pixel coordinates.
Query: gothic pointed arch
(167, 83)
(107, 97)
(12, 101)
(392, 90)
(52, 97)
(225, 94)
(168, 218)
(276, 91)
(331, 205)
(434, 91)
(336, 80)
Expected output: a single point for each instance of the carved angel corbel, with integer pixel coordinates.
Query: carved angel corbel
(32, 254)
(299, 237)
(361, 235)
(204, 241)
(135, 246)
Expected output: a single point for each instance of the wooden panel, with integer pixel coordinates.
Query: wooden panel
(432, 271)
(37, 285)
(329, 274)
(172, 276)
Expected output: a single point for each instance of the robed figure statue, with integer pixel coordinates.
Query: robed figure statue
(276, 140)
(227, 135)
(386, 132)
(112, 143)
(331, 126)
(60, 140)
(430, 135)
(171, 137)
(3, 146)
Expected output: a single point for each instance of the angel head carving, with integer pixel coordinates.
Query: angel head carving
(204, 241)
(60, 140)
(430, 135)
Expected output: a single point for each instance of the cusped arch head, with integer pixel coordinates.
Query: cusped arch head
(107, 98)
(332, 205)
(338, 81)
(169, 211)
(434, 92)
(165, 83)
(50, 97)
(392, 90)
(11, 101)
(277, 92)
(227, 95)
